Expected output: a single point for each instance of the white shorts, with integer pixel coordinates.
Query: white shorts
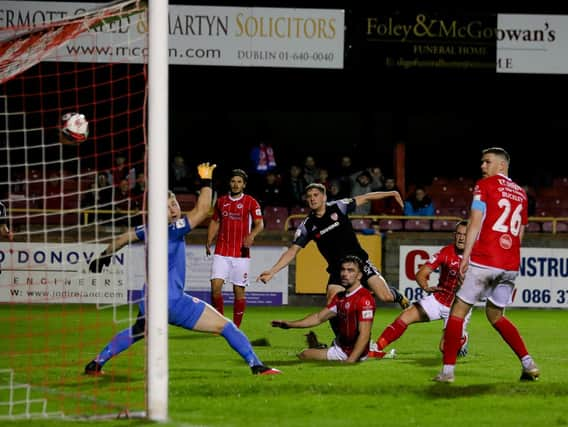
(336, 353)
(435, 310)
(231, 269)
(485, 282)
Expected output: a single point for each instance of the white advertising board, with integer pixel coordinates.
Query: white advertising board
(59, 273)
(532, 44)
(541, 282)
(200, 35)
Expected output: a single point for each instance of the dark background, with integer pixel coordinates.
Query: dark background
(443, 118)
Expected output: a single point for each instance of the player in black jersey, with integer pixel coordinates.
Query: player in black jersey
(329, 226)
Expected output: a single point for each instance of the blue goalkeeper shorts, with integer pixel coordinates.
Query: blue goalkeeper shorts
(183, 311)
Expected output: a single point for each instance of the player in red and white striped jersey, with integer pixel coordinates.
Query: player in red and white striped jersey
(233, 216)
(436, 305)
(491, 261)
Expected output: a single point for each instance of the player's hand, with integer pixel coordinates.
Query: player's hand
(207, 250)
(265, 276)
(399, 199)
(205, 170)
(282, 324)
(431, 289)
(96, 266)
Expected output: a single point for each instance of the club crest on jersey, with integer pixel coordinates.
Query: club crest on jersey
(347, 305)
(180, 223)
(505, 241)
(239, 205)
(333, 216)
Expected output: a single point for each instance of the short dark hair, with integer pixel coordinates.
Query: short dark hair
(315, 185)
(461, 222)
(241, 173)
(354, 259)
(498, 151)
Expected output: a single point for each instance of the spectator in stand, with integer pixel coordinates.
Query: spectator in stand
(377, 179)
(271, 193)
(263, 161)
(311, 172)
(343, 175)
(120, 170)
(137, 195)
(295, 187)
(123, 205)
(362, 185)
(334, 191)
(5, 232)
(100, 197)
(387, 206)
(180, 176)
(419, 204)
(323, 178)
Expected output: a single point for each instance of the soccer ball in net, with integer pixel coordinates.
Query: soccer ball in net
(74, 128)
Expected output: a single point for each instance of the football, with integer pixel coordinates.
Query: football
(74, 128)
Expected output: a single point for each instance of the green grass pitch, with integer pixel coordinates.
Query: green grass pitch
(211, 386)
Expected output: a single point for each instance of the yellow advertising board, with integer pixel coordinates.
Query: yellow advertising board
(311, 276)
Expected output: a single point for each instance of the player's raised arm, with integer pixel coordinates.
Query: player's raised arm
(96, 266)
(282, 262)
(378, 195)
(201, 209)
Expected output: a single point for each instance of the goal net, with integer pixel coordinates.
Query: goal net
(66, 195)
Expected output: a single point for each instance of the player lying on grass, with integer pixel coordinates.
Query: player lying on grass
(183, 310)
(355, 310)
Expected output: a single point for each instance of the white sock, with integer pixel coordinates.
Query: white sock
(527, 361)
(448, 369)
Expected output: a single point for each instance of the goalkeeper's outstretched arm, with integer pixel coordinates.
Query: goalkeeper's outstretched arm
(201, 209)
(96, 266)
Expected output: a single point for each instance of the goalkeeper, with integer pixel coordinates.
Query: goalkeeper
(183, 310)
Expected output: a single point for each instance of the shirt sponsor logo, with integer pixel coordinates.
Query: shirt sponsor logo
(329, 228)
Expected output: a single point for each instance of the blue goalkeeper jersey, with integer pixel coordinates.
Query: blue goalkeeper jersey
(176, 255)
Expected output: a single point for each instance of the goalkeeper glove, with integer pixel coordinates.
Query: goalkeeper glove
(96, 266)
(205, 170)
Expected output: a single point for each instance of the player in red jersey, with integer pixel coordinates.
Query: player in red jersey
(231, 225)
(436, 305)
(355, 309)
(491, 261)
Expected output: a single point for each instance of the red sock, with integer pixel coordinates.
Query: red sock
(511, 335)
(239, 311)
(391, 333)
(452, 339)
(218, 303)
